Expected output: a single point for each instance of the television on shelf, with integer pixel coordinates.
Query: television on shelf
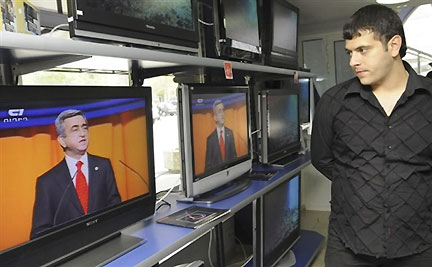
(237, 30)
(53, 207)
(215, 140)
(152, 23)
(280, 127)
(277, 224)
(279, 29)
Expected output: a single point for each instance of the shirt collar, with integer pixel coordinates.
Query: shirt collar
(71, 162)
(415, 82)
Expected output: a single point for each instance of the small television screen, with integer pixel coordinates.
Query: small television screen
(280, 33)
(280, 125)
(280, 220)
(76, 161)
(239, 29)
(216, 136)
(166, 24)
(304, 85)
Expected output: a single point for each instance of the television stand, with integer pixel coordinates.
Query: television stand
(222, 192)
(281, 163)
(102, 253)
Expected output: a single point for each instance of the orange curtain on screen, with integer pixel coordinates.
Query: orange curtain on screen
(26, 154)
(204, 125)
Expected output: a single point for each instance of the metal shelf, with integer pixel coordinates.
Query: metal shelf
(29, 53)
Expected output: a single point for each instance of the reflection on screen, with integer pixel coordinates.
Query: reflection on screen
(241, 21)
(304, 100)
(281, 219)
(29, 149)
(175, 13)
(284, 27)
(209, 152)
(283, 128)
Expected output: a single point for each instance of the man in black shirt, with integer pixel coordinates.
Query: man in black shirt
(372, 137)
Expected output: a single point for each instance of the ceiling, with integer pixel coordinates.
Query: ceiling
(320, 16)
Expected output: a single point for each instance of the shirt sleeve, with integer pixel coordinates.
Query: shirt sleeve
(322, 135)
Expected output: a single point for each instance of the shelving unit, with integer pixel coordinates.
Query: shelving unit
(21, 54)
(28, 53)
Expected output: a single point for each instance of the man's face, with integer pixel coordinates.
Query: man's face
(370, 60)
(219, 115)
(76, 137)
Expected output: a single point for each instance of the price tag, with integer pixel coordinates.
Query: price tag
(228, 71)
(296, 77)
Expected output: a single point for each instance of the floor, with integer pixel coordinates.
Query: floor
(316, 221)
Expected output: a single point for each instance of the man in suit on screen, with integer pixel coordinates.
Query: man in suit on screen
(220, 143)
(81, 183)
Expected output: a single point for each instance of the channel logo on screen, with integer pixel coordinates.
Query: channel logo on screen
(15, 115)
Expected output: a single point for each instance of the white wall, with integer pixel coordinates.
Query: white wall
(315, 191)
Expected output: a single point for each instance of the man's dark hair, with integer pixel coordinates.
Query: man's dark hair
(381, 20)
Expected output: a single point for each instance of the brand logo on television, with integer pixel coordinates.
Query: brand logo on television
(150, 27)
(90, 223)
(16, 114)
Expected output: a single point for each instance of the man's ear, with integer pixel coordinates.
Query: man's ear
(394, 45)
(61, 141)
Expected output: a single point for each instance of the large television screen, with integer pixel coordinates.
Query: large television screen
(76, 162)
(280, 33)
(215, 134)
(280, 124)
(166, 24)
(238, 30)
(276, 218)
(280, 220)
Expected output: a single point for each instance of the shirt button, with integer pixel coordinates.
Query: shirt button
(390, 126)
(389, 147)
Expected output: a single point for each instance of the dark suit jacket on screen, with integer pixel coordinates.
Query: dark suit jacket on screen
(56, 199)
(213, 153)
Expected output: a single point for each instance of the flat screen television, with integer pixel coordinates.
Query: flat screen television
(153, 23)
(279, 29)
(304, 93)
(210, 160)
(280, 128)
(237, 29)
(43, 220)
(277, 224)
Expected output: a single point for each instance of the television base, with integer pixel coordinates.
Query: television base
(281, 163)
(220, 193)
(288, 260)
(106, 252)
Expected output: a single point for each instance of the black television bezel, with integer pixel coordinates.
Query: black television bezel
(273, 55)
(259, 246)
(293, 148)
(64, 241)
(190, 179)
(225, 44)
(86, 22)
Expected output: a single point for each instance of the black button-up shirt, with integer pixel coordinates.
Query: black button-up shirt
(380, 166)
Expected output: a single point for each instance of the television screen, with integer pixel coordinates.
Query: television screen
(241, 21)
(280, 125)
(237, 29)
(280, 33)
(167, 24)
(216, 137)
(70, 156)
(304, 100)
(280, 220)
(284, 28)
